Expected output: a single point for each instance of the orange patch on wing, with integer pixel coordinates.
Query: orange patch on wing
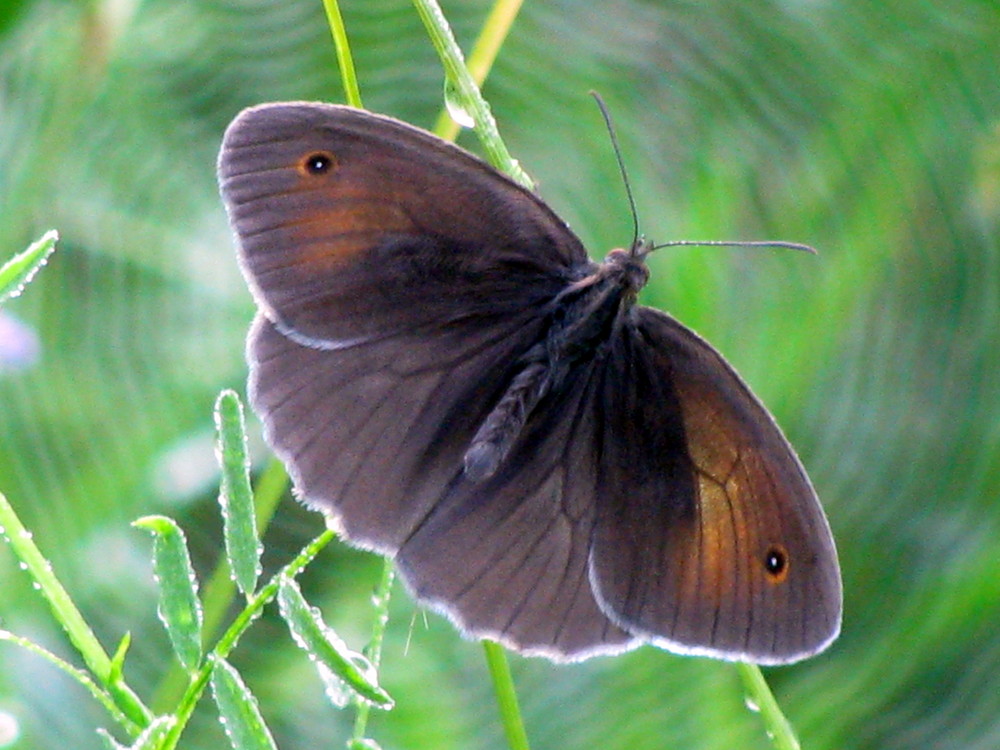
(345, 230)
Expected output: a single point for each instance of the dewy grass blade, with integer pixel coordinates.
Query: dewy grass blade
(243, 547)
(179, 608)
(484, 53)
(196, 685)
(238, 709)
(762, 700)
(467, 92)
(326, 647)
(67, 615)
(80, 676)
(374, 649)
(150, 738)
(219, 592)
(462, 84)
(19, 270)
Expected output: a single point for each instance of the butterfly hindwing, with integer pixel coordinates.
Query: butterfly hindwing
(381, 449)
(372, 433)
(508, 557)
(710, 538)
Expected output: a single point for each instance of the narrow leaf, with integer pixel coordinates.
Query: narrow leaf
(326, 647)
(345, 61)
(109, 742)
(236, 497)
(118, 659)
(179, 608)
(150, 738)
(66, 613)
(19, 270)
(238, 710)
(77, 674)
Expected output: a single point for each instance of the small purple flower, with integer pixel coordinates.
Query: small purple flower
(19, 345)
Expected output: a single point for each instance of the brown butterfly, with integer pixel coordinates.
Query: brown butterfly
(448, 375)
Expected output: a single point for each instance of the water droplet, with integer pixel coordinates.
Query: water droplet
(22, 565)
(364, 666)
(336, 689)
(25, 534)
(751, 705)
(455, 105)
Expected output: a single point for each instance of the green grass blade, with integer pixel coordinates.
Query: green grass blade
(465, 93)
(67, 615)
(80, 676)
(179, 608)
(150, 738)
(243, 548)
(503, 686)
(345, 60)
(761, 698)
(19, 270)
(327, 649)
(484, 53)
(241, 717)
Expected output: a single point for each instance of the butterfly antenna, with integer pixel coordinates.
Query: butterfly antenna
(621, 165)
(738, 243)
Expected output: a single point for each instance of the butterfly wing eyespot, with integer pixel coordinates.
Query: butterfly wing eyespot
(317, 163)
(776, 563)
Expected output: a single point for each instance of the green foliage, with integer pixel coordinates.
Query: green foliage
(180, 611)
(343, 669)
(179, 608)
(149, 739)
(236, 497)
(238, 710)
(872, 133)
(19, 270)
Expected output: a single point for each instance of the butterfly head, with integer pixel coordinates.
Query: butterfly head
(628, 267)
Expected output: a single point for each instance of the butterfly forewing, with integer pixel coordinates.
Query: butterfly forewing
(398, 232)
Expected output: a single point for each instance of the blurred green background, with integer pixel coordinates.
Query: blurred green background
(871, 131)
